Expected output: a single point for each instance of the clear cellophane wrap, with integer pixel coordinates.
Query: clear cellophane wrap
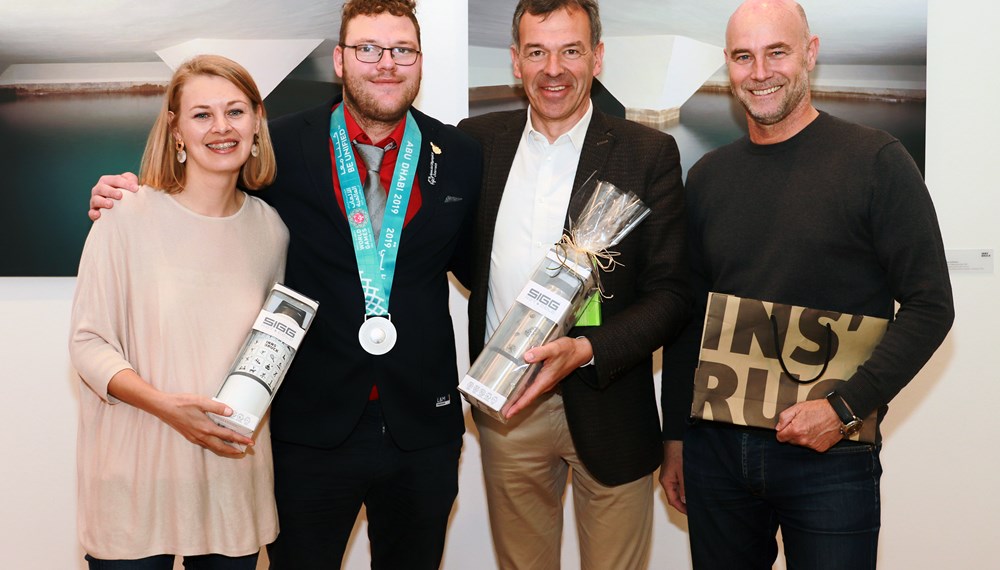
(553, 298)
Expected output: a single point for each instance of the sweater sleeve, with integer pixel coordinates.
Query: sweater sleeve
(907, 241)
(99, 322)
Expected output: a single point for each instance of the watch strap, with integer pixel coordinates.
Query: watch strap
(851, 424)
(840, 406)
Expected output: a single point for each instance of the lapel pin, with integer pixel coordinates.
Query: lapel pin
(432, 175)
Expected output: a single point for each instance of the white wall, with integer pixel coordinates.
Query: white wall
(38, 415)
(940, 507)
(444, 33)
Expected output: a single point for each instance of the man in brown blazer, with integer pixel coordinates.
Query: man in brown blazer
(592, 408)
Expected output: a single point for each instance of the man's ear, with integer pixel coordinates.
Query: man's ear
(812, 52)
(516, 61)
(598, 58)
(338, 61)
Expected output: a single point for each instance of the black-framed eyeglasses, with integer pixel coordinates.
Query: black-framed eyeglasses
(371, 53)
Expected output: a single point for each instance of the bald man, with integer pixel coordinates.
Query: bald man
(813, 211)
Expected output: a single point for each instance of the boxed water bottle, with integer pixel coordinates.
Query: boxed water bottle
(263, 361)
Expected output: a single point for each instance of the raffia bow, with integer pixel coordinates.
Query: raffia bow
(602, 259)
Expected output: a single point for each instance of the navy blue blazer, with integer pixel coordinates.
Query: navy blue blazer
(327, 386)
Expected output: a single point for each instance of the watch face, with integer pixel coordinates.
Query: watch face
(851, 428)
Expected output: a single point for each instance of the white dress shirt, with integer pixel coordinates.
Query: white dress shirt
(532, 211)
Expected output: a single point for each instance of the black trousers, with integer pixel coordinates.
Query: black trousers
(166, 562)
(408, 497)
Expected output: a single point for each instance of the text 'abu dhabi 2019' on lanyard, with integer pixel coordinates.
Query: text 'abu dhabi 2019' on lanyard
(376, 255)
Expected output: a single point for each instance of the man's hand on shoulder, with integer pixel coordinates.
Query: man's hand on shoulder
(109, 189)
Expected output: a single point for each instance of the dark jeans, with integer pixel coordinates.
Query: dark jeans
(742, 485)
(408, 496)
(166, 562)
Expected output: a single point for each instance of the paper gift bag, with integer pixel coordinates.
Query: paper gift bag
(759, 358)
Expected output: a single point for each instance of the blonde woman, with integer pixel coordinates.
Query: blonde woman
(170, 282)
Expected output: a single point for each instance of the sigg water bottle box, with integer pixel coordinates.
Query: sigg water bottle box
(555, 295)
(263, 361)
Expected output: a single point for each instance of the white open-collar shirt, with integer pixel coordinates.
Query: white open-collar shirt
(532, 211)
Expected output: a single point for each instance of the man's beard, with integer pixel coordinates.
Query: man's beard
(367, 107)
(789, 101)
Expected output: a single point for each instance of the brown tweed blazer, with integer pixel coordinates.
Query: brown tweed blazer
(611, 406)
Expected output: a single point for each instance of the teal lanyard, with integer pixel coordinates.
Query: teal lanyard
(376, 260)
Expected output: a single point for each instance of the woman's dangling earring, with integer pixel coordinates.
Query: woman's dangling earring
(182, 155)
(254, 149)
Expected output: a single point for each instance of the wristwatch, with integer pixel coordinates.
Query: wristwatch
(851, 423)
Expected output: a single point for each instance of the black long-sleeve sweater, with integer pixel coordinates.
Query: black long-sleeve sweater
(836, 218)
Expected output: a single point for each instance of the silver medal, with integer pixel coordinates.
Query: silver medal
(377, 335)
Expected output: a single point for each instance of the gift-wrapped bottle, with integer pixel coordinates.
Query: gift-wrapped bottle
(552, 300)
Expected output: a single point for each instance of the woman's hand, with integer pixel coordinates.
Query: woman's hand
(186, 413)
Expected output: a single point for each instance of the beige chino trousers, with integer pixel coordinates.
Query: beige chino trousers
(525, 466)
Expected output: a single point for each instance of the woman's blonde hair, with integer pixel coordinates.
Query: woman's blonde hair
(160, 168)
